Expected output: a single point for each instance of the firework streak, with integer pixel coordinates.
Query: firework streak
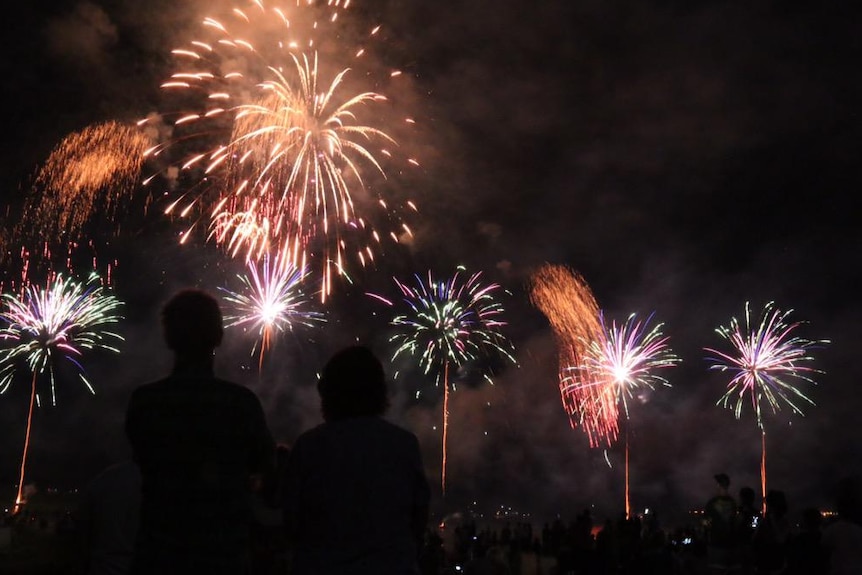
(627, 356)
(283, 138)
(449, 323)
(765, 363)
(568, 303)
(87, 177)
(45, 325)
(270, 300)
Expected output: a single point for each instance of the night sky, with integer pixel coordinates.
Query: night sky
(684, 157)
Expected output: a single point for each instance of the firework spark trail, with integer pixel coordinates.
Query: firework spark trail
(270, 301)
(628, 355)
(26, 266)
(766, 363)
(449, 323)
(44, 325)
(308, 147)
(87, 177)
(625, 359)
(568, 303)
(289, 173)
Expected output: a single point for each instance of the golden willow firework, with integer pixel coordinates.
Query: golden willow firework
(767, 363)
(284, 139)
(567, 301)
(47, 325)
(447, 325)
(270, 301)
(87, 176)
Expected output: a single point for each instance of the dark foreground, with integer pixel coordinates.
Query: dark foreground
(47, 540)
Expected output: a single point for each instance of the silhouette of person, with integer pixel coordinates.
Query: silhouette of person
(772, 535)
(747, 520)
(356, 496)
(720, 514)
(805, 552)
(842, 539)
(197, 439)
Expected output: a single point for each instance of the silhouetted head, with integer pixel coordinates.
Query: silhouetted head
(192, 323)
(352, 385)
(776, 503)
(746, 496)
(723, 480)
(811, 519)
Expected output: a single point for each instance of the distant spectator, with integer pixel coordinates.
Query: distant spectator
(110, 510)
(772, 536)
(197, 440)
(805, 554)
(432, 555)
(842, 540)
(747, 520)
(491, 563)
(720, 514)
(356, 496)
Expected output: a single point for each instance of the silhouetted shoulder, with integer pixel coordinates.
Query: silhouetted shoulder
(350, 429)
(194, 388)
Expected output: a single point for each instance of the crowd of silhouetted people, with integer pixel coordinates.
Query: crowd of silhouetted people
(209, 492)
(730, 536)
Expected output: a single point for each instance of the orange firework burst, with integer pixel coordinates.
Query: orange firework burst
(589, 399)
(88, 173)
(281, 144)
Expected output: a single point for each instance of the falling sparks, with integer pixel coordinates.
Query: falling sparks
(568, 303)
(86, 178)
(284, 151)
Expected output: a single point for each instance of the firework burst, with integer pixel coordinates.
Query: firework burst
(568, 303)
(47, 325)
(624, 362)
(449, 323)
(270, 302)
(88, 174)
(628, 355)
(287, 172)
(766, 364)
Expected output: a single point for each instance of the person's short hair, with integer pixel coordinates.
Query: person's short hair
(192, 323)
(722, 479)
(776, 502)
(746, 495)
(353, 384)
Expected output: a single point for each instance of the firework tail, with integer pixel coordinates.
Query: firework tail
(763, 469)
(264, 345)
(19, 497)
(628, 500)
(445, 425)
(767, 358)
